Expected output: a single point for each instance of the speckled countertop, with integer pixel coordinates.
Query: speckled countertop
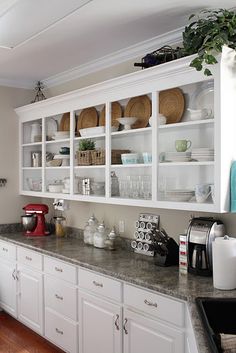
(129, 267)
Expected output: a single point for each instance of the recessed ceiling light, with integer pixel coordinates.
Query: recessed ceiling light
(22, 20)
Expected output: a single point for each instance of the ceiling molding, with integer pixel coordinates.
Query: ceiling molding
(118, 57)
(26, 84)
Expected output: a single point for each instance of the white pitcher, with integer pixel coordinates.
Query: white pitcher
(36, 134)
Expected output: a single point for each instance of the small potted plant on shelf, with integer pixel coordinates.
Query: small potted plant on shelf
(84, 152)
(206, 36)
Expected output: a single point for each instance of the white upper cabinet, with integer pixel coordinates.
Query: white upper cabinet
(199, 110)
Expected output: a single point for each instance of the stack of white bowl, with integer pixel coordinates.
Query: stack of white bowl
(180, 195)
(177, 156)
(203, 154)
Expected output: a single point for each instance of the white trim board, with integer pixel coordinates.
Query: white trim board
(118, 57)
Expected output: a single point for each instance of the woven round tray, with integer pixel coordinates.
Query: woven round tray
(65, 122)
(171, 105)
(116, 112)
(141, 108)
(88, 118)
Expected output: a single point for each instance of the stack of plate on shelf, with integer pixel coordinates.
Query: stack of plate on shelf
(203, 154)
(179, 195)
(177, 156)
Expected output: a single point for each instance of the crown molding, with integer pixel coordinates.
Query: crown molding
(25, 84)
(118, 57)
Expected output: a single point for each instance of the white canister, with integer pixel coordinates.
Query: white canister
(224, 263)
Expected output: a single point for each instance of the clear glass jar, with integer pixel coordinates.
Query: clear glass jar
(111, 241)
(100, 236)
(90, 229)
(114, 185)
(60, 226)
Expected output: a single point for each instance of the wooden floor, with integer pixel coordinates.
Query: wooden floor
(17, 338)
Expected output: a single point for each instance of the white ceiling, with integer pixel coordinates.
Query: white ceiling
(50, 37)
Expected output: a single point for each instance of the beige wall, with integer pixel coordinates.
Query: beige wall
(10, 202)
(173, 221)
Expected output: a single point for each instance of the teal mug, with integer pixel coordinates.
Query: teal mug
(182, 145)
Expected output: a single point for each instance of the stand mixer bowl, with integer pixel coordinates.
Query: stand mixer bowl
(29, 222)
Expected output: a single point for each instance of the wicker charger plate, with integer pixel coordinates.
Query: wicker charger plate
(171, 105)
(141, 108)
(116, 112)
(87, 118)
(65, 122)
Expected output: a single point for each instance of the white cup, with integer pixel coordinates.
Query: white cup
(202, 192)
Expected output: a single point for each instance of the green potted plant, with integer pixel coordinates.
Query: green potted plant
(207, 34)
(84, 151)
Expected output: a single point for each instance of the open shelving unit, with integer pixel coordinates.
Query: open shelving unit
(216, 132)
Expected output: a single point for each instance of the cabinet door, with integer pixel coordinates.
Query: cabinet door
(100, 328)
(147, 335)
(30, 304)
(8, 287)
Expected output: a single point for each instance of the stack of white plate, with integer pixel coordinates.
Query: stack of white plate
(179, 195)
(177, 156)
(203, 154)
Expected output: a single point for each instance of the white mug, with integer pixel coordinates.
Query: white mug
(202, 192)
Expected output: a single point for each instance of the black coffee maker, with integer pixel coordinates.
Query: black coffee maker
(200, 235)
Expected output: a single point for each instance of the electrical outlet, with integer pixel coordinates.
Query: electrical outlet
(121, 226)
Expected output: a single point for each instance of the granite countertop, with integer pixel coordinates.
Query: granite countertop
(130, 267)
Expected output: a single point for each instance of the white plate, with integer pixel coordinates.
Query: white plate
(90, 131)
(183, 159)
(51, 127)
(204, 159)
(203, 97)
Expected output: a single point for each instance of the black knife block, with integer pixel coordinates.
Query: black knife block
(172, 256)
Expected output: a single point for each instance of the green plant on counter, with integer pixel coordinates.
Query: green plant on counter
(207, 34)
(86, 144)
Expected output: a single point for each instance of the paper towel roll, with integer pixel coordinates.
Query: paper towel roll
(224, 263)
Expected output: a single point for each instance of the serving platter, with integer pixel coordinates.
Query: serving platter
(141, 108)
(172, 104)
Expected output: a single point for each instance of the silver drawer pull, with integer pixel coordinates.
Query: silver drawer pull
(58, 269)
(58, 297)
(124, 326)
(97, 284)
(117, 322)
(4, 249)
(59, 331)
(150, 303)
(28, 258)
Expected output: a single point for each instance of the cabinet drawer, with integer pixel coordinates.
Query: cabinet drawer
(60, 269)
(29, 258)
(61, 331)
(7, 251)
(154, 304)
(99, 284)
(61, 297)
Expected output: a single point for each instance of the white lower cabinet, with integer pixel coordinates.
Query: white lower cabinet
(8, 287)
(100, 315)
(142, 334)
(61, 304)
(100, 325)
(61, 331)
(30, 298)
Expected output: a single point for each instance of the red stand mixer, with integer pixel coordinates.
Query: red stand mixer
(34, 221)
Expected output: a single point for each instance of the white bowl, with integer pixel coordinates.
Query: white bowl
(90, 131)
(199, 114)
(61, 135)
(127, 122)
(161, 119)
(55, 188)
